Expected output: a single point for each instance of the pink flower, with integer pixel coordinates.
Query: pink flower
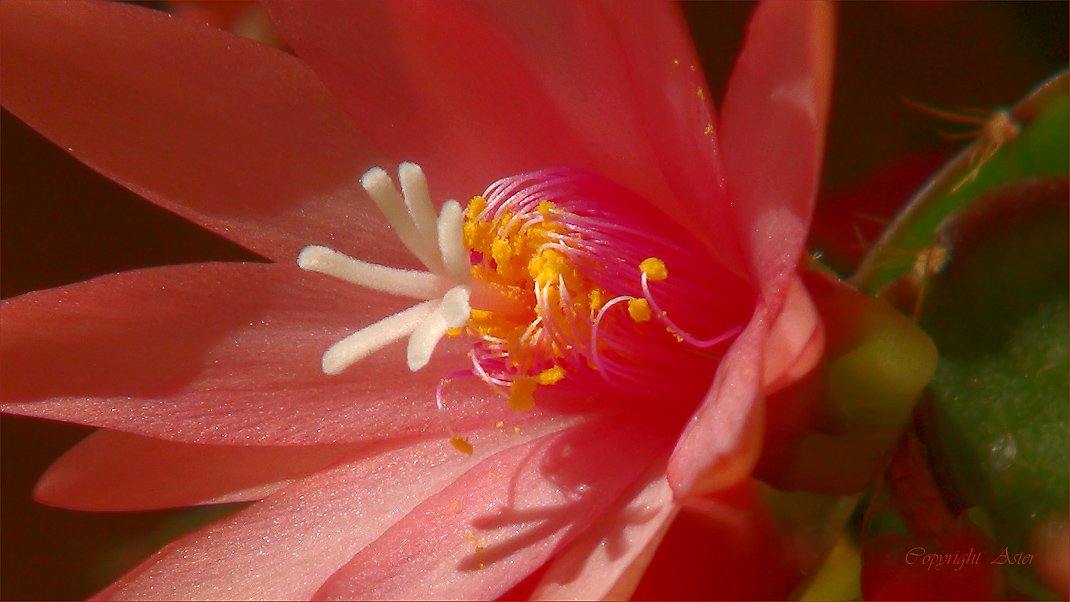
(630, 271)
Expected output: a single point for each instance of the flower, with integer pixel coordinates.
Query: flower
(207, 379)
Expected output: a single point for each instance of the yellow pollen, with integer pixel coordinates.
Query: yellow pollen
(547, 266)
(454, 332)
(476, 206)
(698, 92)
(461, 444)
(522, 393)
(526, 260)
(481, 315)
(654, 269)
(501, 251)
(597, 298)
(709, 128)
(639, 310)
(551, 376)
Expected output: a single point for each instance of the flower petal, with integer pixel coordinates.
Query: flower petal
(725, 546)
(237, 137)
(476, 92)
(722, 441)
(287, 545)
(110, 471)
(796, 340)
(501, 520)
(773, 134)
(608, 560)
(222, 354)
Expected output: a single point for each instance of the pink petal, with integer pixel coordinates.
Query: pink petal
(723, 547)
(796, 340)
(608, 560)
(223, 354)
(773, 134)
(502, 519)
(476, 92)
(722, 441)
(237, 137)
(110, 471)
(287, 545)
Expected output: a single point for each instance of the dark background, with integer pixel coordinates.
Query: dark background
(61, 223)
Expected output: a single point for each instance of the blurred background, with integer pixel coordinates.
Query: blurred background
(61, 223)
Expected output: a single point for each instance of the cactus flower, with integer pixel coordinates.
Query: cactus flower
(556, 324)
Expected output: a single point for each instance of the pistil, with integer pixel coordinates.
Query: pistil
(435, 241)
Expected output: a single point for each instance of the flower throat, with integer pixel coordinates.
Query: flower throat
(563, 280)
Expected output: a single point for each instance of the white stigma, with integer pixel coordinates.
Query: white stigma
(445, 289)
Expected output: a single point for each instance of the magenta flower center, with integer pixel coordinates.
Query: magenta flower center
(590, 285)
(569, 283)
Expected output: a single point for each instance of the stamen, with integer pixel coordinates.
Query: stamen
(390, 202)
(551, 376)
(639, 310)
(407, 283)
(451, 312)
(543, 257)
(365, 341)
(654, 269)
(481, 372)
(595, 355)
(458, 442)
(685, 336)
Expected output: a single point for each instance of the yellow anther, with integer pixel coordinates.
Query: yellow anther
(522, 394)
(547, 266)
(476, 206)
(639, 310)
(454, 332)
(654, 269)
(461, 444)
(544, 208)
(596, 299)
(551, 375)
(501, 251)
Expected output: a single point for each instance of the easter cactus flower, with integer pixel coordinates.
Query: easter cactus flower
(554, 326)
